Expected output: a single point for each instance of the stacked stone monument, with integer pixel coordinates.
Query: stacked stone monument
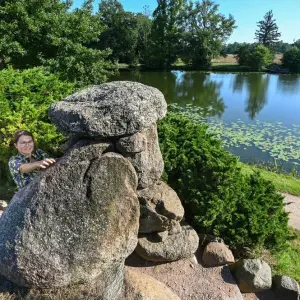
(80, 219)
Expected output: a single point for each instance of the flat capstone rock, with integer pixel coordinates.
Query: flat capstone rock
(111, 109)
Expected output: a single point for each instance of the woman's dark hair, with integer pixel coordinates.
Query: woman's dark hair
(20, 133)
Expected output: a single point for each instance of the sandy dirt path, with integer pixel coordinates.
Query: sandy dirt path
(293, 208)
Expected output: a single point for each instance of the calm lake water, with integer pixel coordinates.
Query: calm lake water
(264, 108)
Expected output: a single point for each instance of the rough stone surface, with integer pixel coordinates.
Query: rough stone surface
(252, 275)
(111, 109)
(149, 163)
(217, 254)
(161, 209)
(132, 144)
(76, 223)
(286, 288)
(190, 280)
(205, 239)
(141, 286)
(3, 204)
(174, 247)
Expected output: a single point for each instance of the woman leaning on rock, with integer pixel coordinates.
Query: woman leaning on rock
(25, 166)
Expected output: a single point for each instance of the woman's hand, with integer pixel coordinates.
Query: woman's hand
(40, 164)
(43, 164)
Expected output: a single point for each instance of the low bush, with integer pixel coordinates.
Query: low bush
(255, 57)
(291, 59)
(245, 211)
(25, 97)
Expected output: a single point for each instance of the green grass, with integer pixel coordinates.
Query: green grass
(228, 67)
(287, 260)
(283, 183)
(216, 67)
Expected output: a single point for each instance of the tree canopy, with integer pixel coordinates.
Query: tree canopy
(46, 33)
(267, 32)
(163, 48)
(204, 31)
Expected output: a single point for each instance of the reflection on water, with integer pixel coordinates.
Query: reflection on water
(245, 96)
(198, 89)
(241, 101)
(289, 84)
(183, 87)
(257, 86)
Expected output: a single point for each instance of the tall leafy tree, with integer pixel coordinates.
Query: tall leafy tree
(204, 31)
(297, 44)
(46, 32)
(267, 32)
(121, 33)
(144, 24)
(163, 49)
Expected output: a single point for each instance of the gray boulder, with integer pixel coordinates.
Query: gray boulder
(161, 209)
(132, 144)
(76, 223)
(108, 110)
(252, 275)
(174, 247)
(149, 163)
(217, 254)
(286, 288)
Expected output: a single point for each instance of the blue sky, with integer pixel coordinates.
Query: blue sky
(246, 14)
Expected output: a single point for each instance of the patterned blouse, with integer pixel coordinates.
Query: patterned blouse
(22, 179)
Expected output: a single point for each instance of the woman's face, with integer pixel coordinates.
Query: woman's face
(25, 145)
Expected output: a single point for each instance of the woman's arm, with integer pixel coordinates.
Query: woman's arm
(30, 167)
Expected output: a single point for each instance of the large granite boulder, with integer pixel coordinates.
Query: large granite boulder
(148, 163)
(252, 275)
(110, 109)
(173, 247)
(161, 209)
(76, 223)
(141, 286)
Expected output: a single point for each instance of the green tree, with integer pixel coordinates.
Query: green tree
(35, 33)
(281, 47)
(204, 31)
(255, 57)
(297, 44)
(144, 24)
(121, 33)
(163, 48)
(232, 48)
(267, 32)
(291, 59)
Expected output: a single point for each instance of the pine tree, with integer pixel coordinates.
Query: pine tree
(267, 32)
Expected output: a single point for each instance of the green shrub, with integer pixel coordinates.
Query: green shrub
(245, 211)
(291, 59)
(25, 98)
(256, 58)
